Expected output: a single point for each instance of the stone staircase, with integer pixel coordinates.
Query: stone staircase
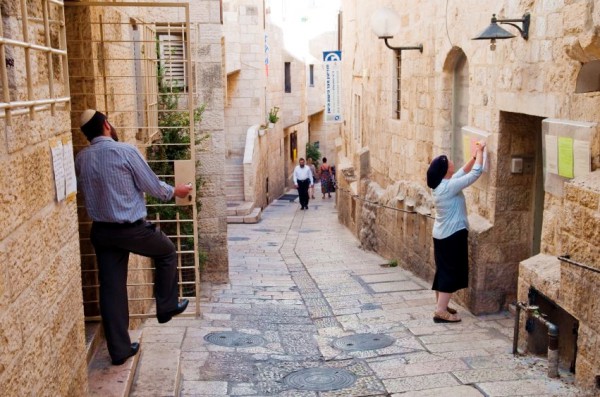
(105, 379)
(238, 210)
(242, 212)
(234, 182)
(154, 372)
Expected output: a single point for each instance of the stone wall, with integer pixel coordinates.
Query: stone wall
(510, 91)
(42, 342)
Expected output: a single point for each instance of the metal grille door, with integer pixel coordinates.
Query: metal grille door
(131, 61)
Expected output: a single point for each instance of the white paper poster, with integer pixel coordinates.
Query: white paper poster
(581, 154)
(551, 154)
(59, 169)
(69, 164)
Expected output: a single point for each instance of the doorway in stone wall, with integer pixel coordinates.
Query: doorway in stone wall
(137, 70)
(520, 190)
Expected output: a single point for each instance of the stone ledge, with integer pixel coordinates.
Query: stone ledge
(543, 273)
(107, 380)
(253, 217)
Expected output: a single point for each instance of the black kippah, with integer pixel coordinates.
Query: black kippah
(437, 171)
(92, 126)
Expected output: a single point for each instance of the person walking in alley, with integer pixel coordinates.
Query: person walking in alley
(325, 172)
(450, 229)
(113, 177)
(302, 181)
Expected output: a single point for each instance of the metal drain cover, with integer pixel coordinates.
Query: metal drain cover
(238, 238)
(370, 306)
(360, 342)
(320, 379)
(234, 339)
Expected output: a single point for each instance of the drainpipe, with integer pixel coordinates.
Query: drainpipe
(532, 312)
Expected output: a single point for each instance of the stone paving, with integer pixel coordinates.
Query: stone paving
(298, 282)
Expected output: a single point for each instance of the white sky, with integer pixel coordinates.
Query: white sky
(302, 20)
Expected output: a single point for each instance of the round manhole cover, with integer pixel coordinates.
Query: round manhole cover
(320, 379)
(234, 339)
(238, 238)
(360, 342)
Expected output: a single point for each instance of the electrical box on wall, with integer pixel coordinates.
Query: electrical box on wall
(522, 165)
(516, 165)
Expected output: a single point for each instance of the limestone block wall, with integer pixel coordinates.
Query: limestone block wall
(510, 90)
(580, 234)
(42, 342)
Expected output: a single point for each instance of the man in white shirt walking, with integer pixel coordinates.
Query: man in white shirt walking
(303, 179)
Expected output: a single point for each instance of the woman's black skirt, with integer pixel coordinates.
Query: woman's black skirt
(451, 262)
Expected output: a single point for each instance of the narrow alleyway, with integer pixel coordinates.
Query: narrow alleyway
(299, 282)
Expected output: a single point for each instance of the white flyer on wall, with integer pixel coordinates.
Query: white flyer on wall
(333, 86)
(56, 148)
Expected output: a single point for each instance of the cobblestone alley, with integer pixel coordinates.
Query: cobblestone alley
(299, 287)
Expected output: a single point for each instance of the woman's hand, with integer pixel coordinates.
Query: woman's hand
(480, 146)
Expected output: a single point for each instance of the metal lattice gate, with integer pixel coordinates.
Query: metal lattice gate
(131, 61)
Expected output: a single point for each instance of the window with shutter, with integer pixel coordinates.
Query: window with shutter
(172, 59)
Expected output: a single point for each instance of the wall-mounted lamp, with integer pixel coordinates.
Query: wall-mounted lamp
(385, 23)
(494, 31)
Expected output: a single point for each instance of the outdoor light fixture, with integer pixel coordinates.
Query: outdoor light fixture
(385, 23)
(494, 31)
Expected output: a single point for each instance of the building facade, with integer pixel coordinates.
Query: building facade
(150, 69)
(535, 102)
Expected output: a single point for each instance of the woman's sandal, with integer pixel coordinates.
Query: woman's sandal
(451, 310)
(445, 317)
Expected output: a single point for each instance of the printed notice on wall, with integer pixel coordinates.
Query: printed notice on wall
(59, 169)
(582, 154)
(565, 157)
(69, 164)
(551, 154)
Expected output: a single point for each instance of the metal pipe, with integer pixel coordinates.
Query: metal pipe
(516, 330)
(567, 259)
(552, 336)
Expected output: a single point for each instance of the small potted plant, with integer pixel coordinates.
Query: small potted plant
(273, 117)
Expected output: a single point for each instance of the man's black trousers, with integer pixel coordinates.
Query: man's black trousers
(303, 192)
(113, 243)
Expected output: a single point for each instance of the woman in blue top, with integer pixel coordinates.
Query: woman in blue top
(450, 229)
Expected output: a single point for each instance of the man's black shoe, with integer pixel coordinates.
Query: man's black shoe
(166, 317)
(135, 347)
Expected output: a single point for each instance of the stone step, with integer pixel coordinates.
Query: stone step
(159, 370)
(94, 336)
(253, 217)
(234, 196)
(107, 380)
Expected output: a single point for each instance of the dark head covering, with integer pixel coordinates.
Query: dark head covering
(91, 123)
(437, 171)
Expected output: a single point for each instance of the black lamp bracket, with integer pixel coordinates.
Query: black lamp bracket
(525, 21)
(400, 49)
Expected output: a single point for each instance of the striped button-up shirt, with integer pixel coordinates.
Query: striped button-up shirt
(113, 177)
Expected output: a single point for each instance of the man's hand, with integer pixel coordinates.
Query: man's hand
(182, 190)
(296, 186)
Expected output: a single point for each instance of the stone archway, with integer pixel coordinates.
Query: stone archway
(452, 112)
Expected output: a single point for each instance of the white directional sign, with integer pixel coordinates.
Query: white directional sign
(333, 85)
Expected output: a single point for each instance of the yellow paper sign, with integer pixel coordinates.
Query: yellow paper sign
(565, 156)
(466, 148)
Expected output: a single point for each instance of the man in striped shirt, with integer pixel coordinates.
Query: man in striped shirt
(113, 178)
